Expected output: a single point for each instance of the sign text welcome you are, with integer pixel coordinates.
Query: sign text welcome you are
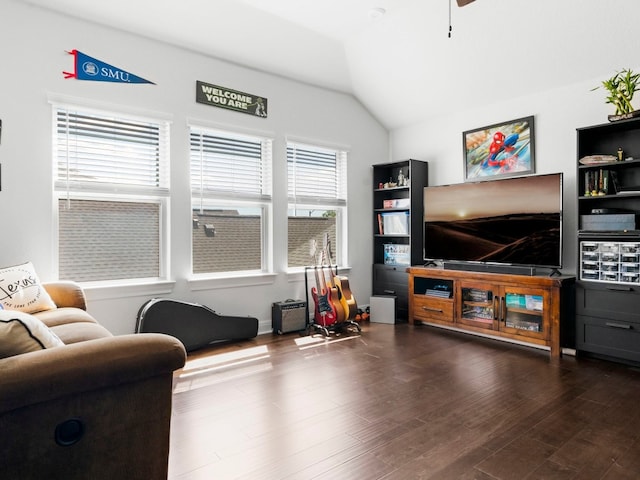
(231, 99)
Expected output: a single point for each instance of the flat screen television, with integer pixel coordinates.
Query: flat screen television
(510, 221)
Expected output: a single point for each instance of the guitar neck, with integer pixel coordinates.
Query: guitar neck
(323, 280)
(333, 274)
(319, 285)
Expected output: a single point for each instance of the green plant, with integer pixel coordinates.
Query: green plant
(621, 88)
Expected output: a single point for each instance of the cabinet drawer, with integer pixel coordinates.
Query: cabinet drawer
(430, 308)
(608, 301)
(389, 280)
(393, 280)
(614, 338)
(391, 275)
(385, 288)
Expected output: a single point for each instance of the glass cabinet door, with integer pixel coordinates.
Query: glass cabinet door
(479, 306)
(523, 312)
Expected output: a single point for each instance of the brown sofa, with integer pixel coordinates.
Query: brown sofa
(98, 407)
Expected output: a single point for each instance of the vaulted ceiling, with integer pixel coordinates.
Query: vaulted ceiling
(402, 65)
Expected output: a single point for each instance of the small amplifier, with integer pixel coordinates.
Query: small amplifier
(288, 316)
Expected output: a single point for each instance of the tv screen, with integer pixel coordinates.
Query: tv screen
(514, 221)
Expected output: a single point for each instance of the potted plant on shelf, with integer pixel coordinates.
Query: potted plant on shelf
(621, 88)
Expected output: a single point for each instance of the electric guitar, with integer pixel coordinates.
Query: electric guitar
(325, 313)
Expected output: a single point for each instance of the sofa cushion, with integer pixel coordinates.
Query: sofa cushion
(80, 332)
(64, 315)
(22, 333)
(21, 289)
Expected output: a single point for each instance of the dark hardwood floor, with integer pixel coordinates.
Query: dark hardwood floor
(401, 402)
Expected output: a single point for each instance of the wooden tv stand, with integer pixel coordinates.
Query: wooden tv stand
(517, 308)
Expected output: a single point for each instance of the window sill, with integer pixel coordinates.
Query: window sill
(297, 274)
(133, 289)
(230, 281)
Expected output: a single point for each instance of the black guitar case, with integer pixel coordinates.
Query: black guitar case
(195, 325)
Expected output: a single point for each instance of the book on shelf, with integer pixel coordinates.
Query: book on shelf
(605, 182)
(397, 254)
(395, 223)
(476, 295)
(438, 293)
(396, 203)
(599, 182)
(615, 185)
(622, 189)
(628, 190)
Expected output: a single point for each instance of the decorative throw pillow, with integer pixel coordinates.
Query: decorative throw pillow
(22, 333)
(20, 289)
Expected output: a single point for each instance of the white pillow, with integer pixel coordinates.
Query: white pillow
(20, 289)
(22, 333)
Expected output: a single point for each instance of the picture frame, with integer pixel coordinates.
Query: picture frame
(499, 150)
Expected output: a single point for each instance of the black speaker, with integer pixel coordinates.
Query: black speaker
(490, 268)
(288, 316)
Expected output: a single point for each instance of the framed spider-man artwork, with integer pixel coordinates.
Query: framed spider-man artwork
(499, 150)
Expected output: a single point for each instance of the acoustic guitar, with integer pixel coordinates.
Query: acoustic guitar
(333, 296)
(347, 300)
(341, 284)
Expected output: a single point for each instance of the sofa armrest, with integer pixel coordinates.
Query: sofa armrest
(46, 375)
(66, 294)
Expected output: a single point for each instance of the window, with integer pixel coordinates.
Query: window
(111, 183)
(231, 201)
(317, 205)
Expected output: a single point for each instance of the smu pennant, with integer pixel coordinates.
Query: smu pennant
(89, 68)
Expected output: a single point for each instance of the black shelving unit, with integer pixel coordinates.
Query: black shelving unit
(608, 286)
(398, 227)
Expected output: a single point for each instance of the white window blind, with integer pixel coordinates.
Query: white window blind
(231, 199)
(226, 165)
(100, 152)
(113, 169)
(317, 197)
(316, 175)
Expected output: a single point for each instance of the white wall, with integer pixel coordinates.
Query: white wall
(33, 58)
(557, 115)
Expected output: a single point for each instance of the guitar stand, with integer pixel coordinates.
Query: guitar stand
(337, 327)
(347, 326)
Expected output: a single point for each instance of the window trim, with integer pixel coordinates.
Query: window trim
(221, 198)
(339, 204)
(164, 243)
(202, 281)
(266, 241)
(100, 192)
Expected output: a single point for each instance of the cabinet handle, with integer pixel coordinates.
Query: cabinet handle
(620, 289)
(619, 325)
(501, 312)
(495, 308)
(390, 292)
(437, 310)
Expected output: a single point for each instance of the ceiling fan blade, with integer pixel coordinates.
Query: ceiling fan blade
(462, 3)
